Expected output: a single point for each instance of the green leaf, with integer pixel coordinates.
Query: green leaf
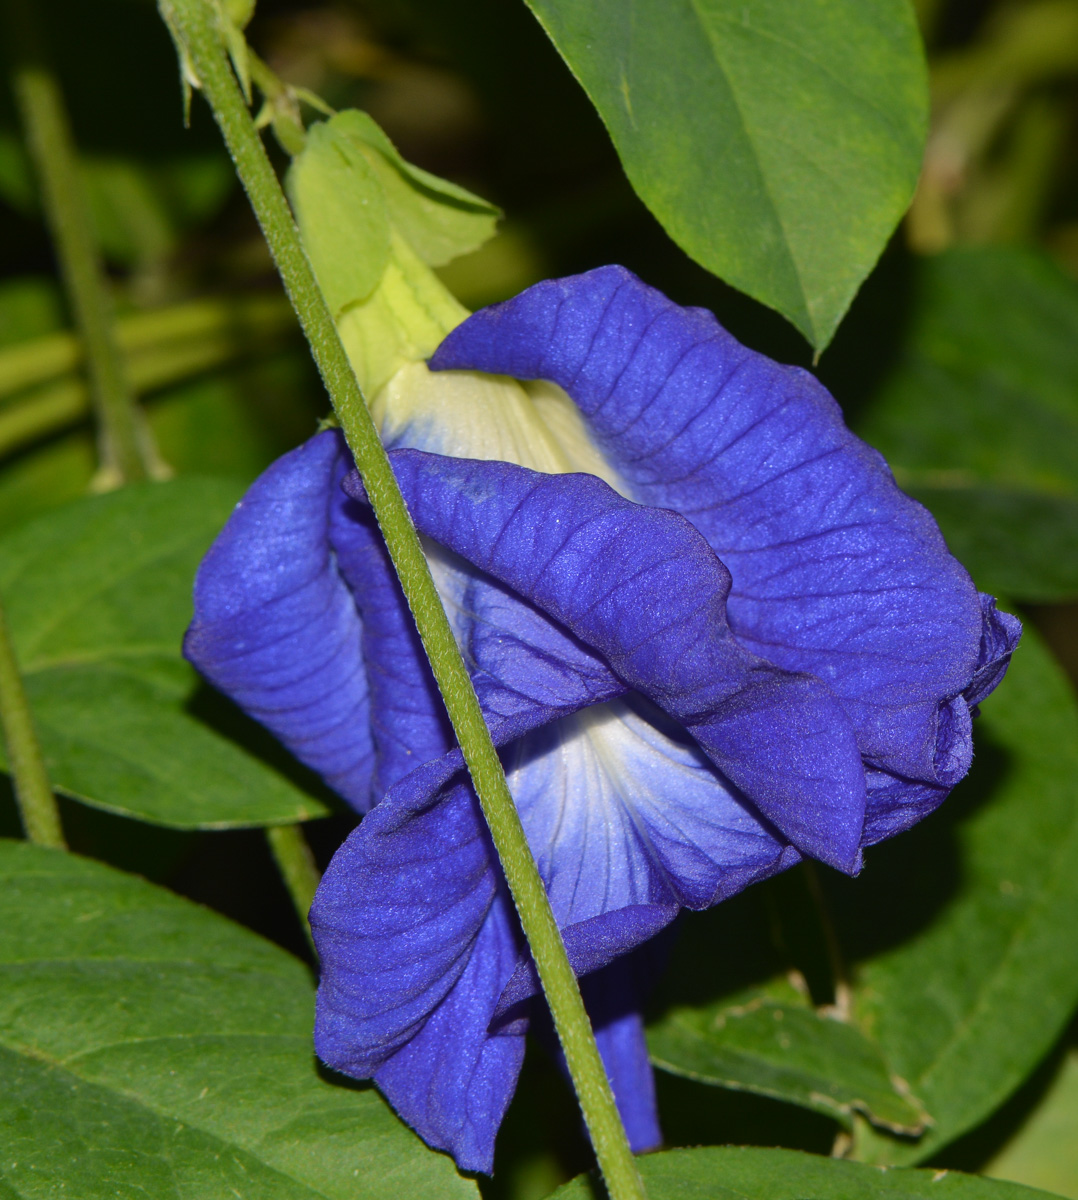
(150, 1047)
(787, 1051)
(778, 142)
(980, 418)
(976, 910)
(98, 597)
(1044, 1152)
(718, 1024)
(750, 1173)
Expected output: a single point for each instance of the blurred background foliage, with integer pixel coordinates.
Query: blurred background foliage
(959, 360)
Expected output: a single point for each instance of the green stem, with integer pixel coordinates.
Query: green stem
(51, 409)
(298, 869)
(239, 320)
(56, 406)
(49, 139)
(192, 22)
(37, 804)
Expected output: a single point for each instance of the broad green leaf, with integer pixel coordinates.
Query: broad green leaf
(980, 418)
(149, 1047)
(778, 141)
(976, 911)
(750, 1173)
(1044, 1152)
(734, 1011)
(98, 597)
(787, 1051)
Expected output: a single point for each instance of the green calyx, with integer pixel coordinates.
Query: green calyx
(373, 226)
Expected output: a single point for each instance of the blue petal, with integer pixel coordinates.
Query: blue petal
(835, 571)
(590, 945)
(614, 1001)
(1000, 635)
(622, 808)
(614, 998)
(640, 587)
(408, 720)
(411, 930)
(521, 659)
(394, 920)
(452, 1082)
(896, 804)
(275, 625)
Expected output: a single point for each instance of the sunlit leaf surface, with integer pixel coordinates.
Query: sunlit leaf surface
(150, 1047)
(98, 597)
(778, 142)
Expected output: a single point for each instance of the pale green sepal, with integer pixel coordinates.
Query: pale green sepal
(439, 219)
(341, 211)
(403, 321)
(372, 226)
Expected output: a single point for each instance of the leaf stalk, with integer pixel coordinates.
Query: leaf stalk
(300, 873)
(33, 792)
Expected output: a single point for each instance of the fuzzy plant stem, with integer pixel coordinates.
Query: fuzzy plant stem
(193, 23)
(48, 137)
(33, 792)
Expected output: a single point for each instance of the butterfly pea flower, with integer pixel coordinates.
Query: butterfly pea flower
(709, 635)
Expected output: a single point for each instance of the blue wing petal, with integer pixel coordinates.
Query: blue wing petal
(275, 625)
(394, 921)
(453, 1081)
(640, 587)
(408, 721)
(1000, 635)
(614, 1001)
(590, 945)
(835, 571)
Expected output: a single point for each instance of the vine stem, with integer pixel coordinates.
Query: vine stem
(33, 792)
(48, 136)
(194, 26)
(298, 869)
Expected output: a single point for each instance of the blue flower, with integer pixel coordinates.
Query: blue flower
(745, 646)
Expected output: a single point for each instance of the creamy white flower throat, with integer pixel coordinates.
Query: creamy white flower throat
(466, 414)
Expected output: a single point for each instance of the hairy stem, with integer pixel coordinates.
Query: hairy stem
(193, 24)
(298, 869)
(33, 792)
(48, 136)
